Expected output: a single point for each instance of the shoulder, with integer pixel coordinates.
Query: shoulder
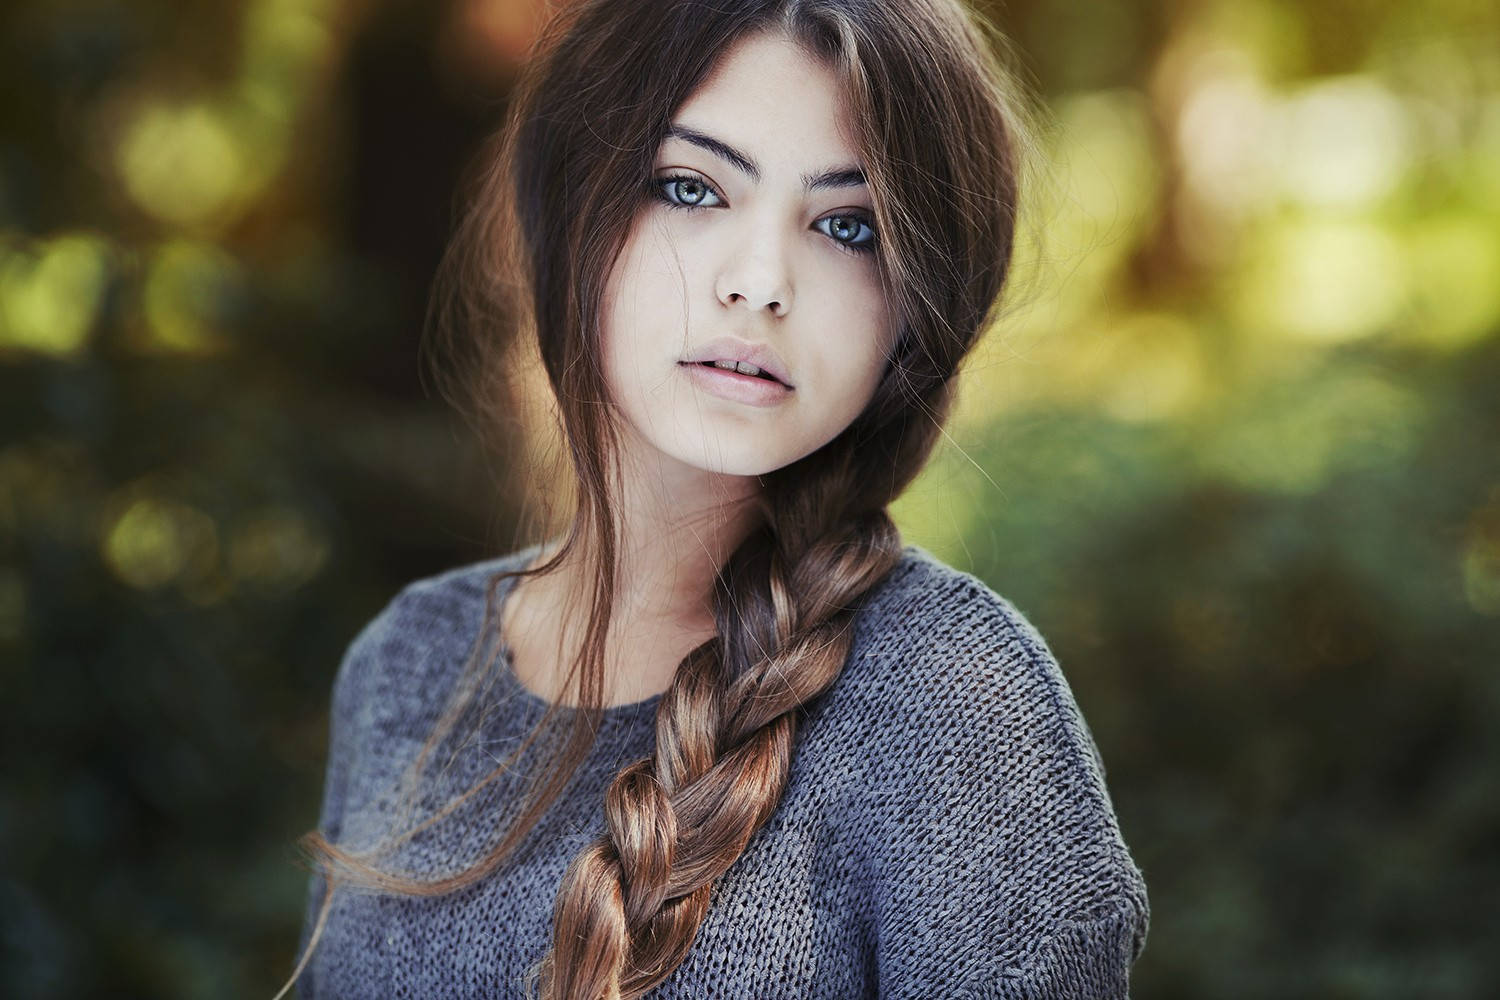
(974, 740)
(421, 635)
(932, 636)
(394, 680)
(452, 597)
(434, 606)
(944, 606)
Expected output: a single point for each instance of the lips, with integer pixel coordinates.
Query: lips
(735, 386)
(725, 351)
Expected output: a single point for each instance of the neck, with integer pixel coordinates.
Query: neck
(675, 526)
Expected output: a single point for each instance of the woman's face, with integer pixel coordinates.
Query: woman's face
(756, 244)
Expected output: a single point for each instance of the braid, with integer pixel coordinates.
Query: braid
(631, 903)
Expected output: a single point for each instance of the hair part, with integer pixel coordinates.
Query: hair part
(940, 130)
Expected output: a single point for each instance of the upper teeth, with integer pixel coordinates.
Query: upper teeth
(743, 367)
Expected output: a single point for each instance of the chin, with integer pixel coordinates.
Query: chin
(732, 460)
(729, 465)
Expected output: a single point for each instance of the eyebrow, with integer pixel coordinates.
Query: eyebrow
(839, 177)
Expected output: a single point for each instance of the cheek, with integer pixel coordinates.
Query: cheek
(866, 364)
(651, 274)
(642, 315)
(622, 286)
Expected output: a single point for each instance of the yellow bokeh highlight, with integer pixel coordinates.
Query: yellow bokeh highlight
(155, 540)
(1221, 131)
(277, 548)
(1455, 263)
(937, 510)
(1323, 280)
(1091, 202)
(51, 293)
(1481, 568)
(186, 284)
(200, 161)
(285, 42)
(1154, 369)
(1097, 193)
(1483, 174)
(1138, 368)
(182, 163)
(1342, 143)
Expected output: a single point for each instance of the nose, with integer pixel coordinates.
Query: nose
(758, 277)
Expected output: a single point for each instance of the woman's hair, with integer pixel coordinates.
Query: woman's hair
(939, 131)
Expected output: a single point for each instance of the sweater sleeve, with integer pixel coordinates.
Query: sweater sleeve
(1084, 959)
(347, 705)
(1001, 871)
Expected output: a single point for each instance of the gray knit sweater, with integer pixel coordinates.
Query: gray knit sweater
(946, 830)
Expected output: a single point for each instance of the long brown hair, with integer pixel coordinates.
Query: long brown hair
(940, 133)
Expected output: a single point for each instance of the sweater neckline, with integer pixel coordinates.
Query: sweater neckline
(628, 714)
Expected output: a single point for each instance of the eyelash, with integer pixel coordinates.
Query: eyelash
(659, 187)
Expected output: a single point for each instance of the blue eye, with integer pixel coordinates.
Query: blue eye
(850, 233)
(686, 190)
(843, 229)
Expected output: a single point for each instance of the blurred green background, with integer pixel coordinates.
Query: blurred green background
(1233, 449)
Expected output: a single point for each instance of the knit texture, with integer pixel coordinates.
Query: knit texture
(946, 830)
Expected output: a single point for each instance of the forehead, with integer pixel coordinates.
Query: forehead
(772, 98)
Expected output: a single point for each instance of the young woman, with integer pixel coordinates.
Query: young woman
(726, 736)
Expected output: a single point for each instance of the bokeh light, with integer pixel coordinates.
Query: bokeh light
(51, 292)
